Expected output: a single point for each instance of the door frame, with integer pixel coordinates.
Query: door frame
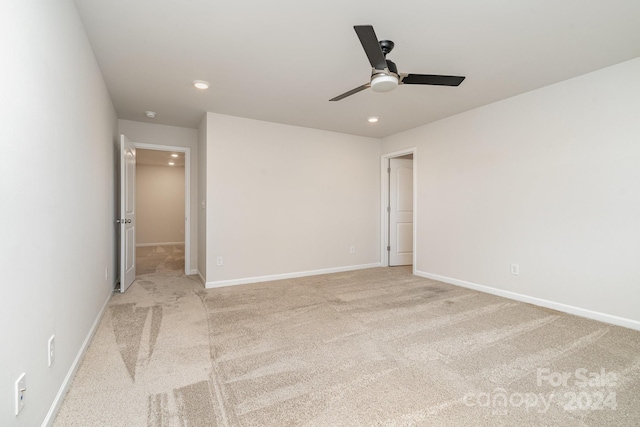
(187, 193)
(384, 202)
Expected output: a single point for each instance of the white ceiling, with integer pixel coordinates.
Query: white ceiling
(282, 60)
(158, 158)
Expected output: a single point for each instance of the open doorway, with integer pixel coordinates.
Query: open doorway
(399, 209)
(162, 205)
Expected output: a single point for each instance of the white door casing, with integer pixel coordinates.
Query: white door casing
(127, 213)
(401, 212)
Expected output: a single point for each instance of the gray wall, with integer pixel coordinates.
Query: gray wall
(547, 180)
(285, 200)
(59, 135)
(159, 204)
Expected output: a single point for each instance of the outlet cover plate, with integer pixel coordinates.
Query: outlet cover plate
(515, 269)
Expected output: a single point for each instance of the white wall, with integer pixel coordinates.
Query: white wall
(58, 141)
(548, 180)
(150, 133)
(285, 199)
(159, 204)
(202, 198)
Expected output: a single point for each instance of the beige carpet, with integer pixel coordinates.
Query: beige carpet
(365, 348)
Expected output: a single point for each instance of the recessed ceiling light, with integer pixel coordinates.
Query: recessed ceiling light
(174, 155)
(372, 119)
(150, 114)
(171, 163)
(201, 84)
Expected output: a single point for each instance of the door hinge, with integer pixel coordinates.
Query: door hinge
(388, 208)
(388, 248)
(388, 170)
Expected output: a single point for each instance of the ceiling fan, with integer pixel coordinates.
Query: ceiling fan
(385, 76)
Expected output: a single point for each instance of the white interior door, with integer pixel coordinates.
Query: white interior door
(400, 212)
(127, 213)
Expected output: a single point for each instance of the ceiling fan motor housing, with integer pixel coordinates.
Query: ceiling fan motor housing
(392, 67)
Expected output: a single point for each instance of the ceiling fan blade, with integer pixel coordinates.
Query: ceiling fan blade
(371, 46)
(351, 92)
(431, 79)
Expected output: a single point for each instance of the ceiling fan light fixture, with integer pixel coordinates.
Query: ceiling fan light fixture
(384, 83)
(385, 76)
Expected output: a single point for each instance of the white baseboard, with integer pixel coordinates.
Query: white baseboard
(578, 311)
(138, 245)
(193, 272)
(247, 280)
(64, 387)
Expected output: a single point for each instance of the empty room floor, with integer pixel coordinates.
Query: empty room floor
(363, 348)
(160, 259)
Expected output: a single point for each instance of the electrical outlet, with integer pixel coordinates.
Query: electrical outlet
(515, 269)
(21, 389)
(51, 349)
(219, 260)
(353, 249)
